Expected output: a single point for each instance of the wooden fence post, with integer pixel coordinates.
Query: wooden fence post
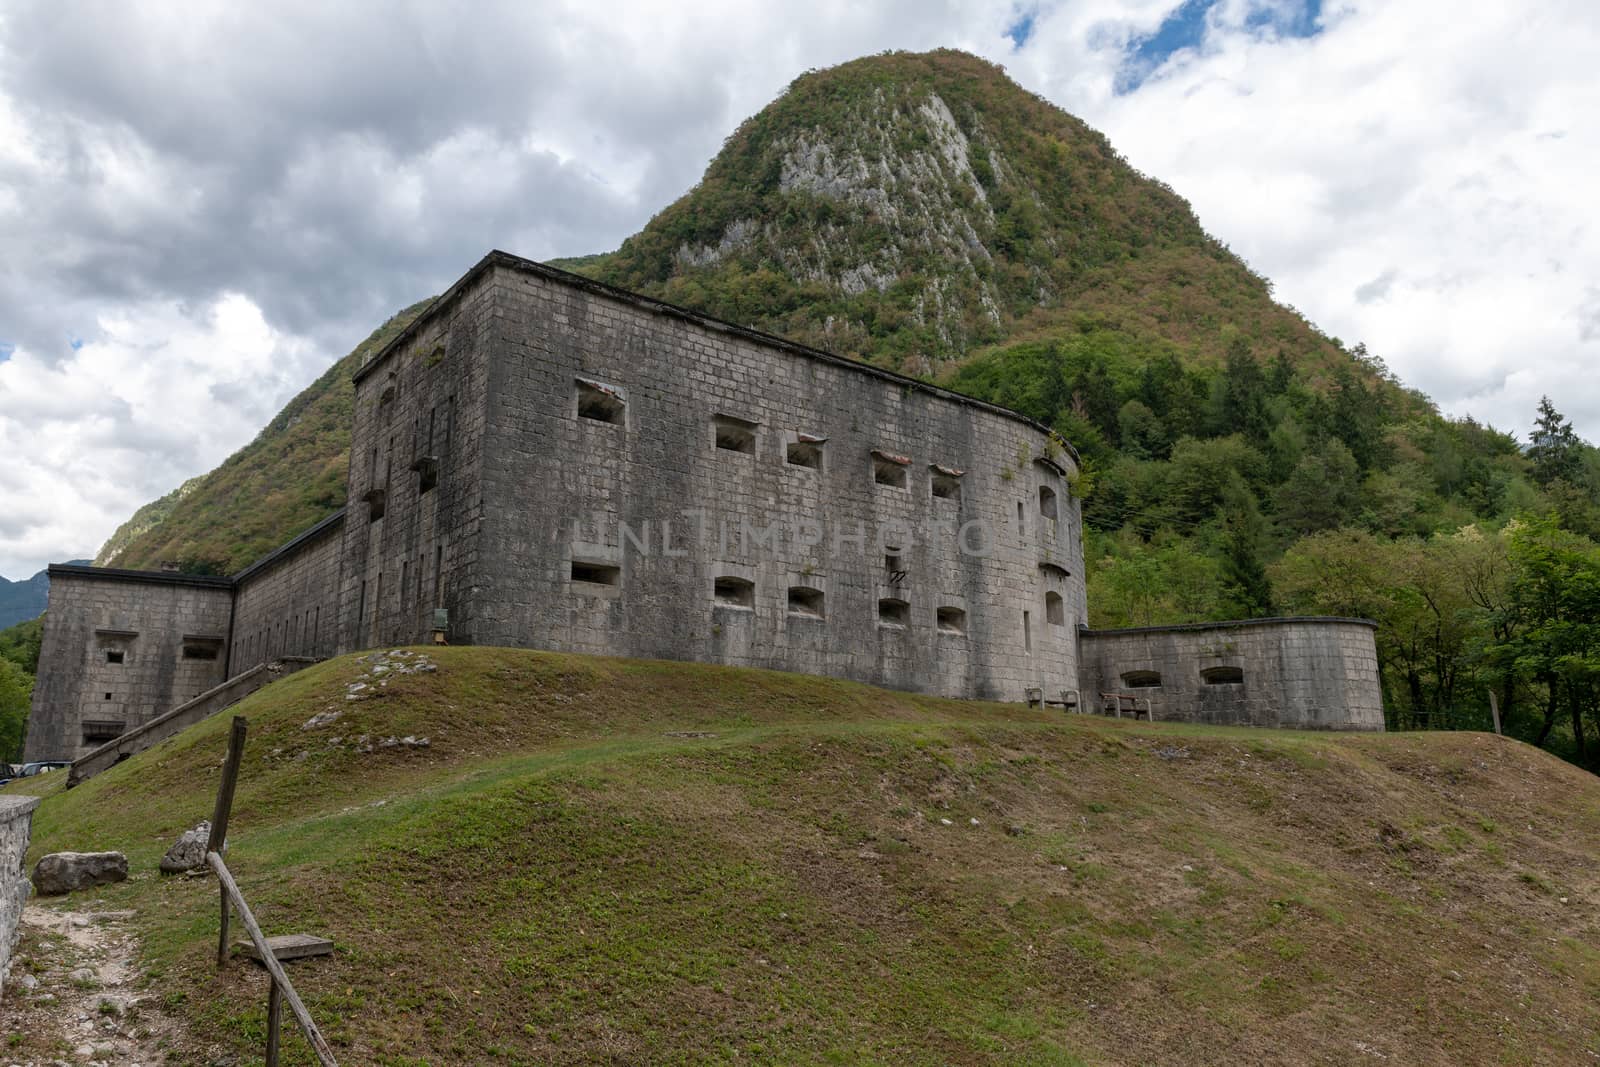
(274, 1018)
(314, 1037)
(218, 841)
(1494, 708)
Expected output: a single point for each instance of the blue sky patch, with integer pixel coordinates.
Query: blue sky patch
(5, 350)
(1021, 28)
(1186, 28)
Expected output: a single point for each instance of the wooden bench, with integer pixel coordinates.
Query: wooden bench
(1068, 701)
(1117, 703)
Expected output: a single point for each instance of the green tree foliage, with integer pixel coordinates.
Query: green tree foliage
(1323, 490)
(1554, 447)
(20, 644)
(1551, 624)
(16, 689)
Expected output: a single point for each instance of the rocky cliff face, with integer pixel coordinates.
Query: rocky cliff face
(907, 209)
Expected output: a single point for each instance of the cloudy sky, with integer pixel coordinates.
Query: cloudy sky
(203, 204)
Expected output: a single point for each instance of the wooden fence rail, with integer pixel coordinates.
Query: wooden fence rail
(282, 989)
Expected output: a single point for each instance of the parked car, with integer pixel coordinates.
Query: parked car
(42, 766)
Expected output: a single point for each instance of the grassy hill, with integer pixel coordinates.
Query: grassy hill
(601, 861)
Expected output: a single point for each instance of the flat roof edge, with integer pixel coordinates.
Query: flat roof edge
(1230, 624)
(288, 547)
(115, 574)
(498, 258)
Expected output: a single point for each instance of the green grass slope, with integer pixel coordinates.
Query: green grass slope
(608, 861)
(286, 480)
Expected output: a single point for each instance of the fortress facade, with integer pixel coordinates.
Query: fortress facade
(544, 461)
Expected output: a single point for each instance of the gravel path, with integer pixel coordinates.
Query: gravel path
(71, 996)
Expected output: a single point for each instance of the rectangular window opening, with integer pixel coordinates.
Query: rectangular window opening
(729, 591)
(889, 469)
(1055, 609)
(113, 657)
(735, 435)
(206, 650)
(600, 403)
(596, 573)
(99, 731)
(805, 601)
(427, 468)
(1047, 502)
(945, 484)
(804, 454)
(1027, 632)
(1141, 680)
(952, 621)
(1223, 675)
(893, 612)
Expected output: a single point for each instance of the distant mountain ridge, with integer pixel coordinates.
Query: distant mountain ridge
(23, 600)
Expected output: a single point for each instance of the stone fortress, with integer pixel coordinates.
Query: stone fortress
(544, 461)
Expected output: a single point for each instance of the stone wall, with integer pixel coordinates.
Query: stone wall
(706, 423)
(286, 603)
(409, 544)
(120, 648)
(182, 717)
(1308, 673)
(16, 820)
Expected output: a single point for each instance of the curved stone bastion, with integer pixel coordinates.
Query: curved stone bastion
(1304, 673)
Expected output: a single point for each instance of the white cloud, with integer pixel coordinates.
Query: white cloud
(1441, 149)
(219, 200)
(159, 394)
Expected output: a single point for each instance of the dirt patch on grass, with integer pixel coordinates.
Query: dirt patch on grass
(76, 994)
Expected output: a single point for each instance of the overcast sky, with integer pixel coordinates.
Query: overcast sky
(202, 205)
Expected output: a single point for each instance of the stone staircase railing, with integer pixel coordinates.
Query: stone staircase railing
(182, 717)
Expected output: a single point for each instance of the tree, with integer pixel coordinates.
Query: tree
(1239, 397)
(1554, 447)
(1244, 577)
(16, 690)
(1555, 622)
(1323, 490)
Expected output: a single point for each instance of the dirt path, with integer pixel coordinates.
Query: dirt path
(71, 996)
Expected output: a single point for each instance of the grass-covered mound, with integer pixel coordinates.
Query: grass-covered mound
(601, 860)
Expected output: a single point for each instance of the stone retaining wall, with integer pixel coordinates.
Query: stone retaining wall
(16, 823)
(182, 717)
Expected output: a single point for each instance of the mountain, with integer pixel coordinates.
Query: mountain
(926, 213)
(906, 209)
(24, 600)
(287, 479)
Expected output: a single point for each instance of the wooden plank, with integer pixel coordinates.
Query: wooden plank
(291, 947)
(319, 1044)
